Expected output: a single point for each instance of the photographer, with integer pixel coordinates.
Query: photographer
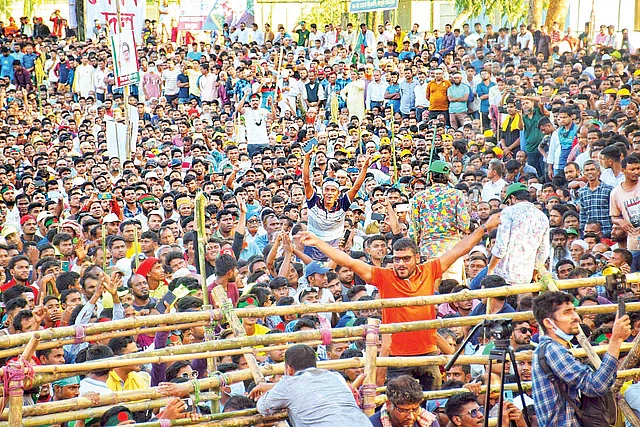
(556, 315)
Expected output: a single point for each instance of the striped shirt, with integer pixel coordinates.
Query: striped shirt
(327, 225)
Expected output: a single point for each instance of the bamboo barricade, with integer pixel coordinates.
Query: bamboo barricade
(224, 302)
(11, 342)
(349, 332)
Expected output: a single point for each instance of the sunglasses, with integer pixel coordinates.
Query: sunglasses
(525, 330)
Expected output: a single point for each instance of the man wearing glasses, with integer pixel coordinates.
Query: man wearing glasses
(407, 277)
(403, 407)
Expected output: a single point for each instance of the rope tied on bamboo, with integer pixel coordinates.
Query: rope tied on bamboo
(18, 376)
(374, 329)
(196, 393)
(225, 309)
(325, 335)
(215, 316)
(80, 334)
(164, 422)
(368, 390)
(222, 378)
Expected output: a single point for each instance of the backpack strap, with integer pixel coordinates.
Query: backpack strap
(542, 361)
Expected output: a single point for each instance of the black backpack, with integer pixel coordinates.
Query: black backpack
(600, 411)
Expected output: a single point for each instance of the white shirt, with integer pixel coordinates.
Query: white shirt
(256, 36)
(170, 79)
(255, 122)
(242, 35)
(608, 178)
(375, 92)
(525, 40)
(492, 190)
(420, 91)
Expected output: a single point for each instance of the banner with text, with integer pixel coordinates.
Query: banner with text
(356, 6)
(132, 15)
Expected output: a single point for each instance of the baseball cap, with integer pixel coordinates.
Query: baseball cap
(110, 218)
(175, 162)
(515, 187)
(573, 231)
(355, 207)
(315, 268)
(439, 166)
(44, 215)
(8, 230)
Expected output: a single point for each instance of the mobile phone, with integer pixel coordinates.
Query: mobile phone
(310, 145)
(403, 207)
(622, 307)
(624, 102)
(377, 217)
(346, 235)
(105, 196)
(592, 113)
(188, 404)
(508, 396)
(169, 298)
(54, 195)
(65, 266)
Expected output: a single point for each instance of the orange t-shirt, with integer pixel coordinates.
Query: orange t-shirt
(421, 284)
(438, 100)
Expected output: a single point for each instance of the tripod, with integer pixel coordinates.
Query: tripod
(500, 330)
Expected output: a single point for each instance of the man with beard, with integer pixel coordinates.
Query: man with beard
(624, 211)
(326, 213)
(140, 291)
(131, 208)
(9, 197)
(407, 278)
(619, 238)
(559, 249)
(521, 334)
(226, 271)
(346, 277)
(153, 270)
(148, 203)
(19, 268)
(115, 170)
(128, 230)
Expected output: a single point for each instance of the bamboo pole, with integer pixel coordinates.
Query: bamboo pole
(10, 341)
(371, 353)
(100, 337)
(16, 389)
(201, 235)
(205, 418)
(222, 300)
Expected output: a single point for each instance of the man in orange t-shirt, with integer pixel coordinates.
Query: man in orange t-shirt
(437, 95)
(407, 278)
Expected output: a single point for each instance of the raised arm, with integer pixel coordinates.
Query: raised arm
(363, 174)
(365, 271)
(306, 176)
(466, 244)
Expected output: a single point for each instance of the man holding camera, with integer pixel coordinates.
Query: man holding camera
(437, 217)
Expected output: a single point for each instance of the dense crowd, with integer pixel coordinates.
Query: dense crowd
(339, 163)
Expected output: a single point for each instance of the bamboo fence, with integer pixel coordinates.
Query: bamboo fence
(56, 412)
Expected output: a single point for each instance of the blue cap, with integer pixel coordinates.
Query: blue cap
(175, 162)
(315, 268)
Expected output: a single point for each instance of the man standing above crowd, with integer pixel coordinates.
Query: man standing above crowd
(439, 216)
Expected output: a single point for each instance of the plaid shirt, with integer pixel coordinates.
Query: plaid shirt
(551, 409)
(594, 206)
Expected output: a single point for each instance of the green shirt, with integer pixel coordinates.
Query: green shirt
(532, 133)
(303, 36)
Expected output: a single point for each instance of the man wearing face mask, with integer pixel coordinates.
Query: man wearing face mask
(523, 238)
(556, 315)
(303, 391)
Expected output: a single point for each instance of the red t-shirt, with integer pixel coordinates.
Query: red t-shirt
(421, 284)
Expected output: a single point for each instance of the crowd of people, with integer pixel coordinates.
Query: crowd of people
(347, 164)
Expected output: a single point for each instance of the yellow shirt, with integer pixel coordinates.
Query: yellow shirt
(134, 381)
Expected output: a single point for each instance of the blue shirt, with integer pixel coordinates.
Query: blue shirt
(551, 408)
(458, 92)
(6, 66)
(394, 102)
(407, 97)
(29, 60)
(483, 89)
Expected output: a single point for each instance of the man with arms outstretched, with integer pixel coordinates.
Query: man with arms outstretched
(407, 278)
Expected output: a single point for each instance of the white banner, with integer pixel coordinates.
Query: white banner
(132, 14)
(117, 136)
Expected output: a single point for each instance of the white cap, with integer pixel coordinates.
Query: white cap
(43, 216)
(151, 174)
(110, 218)
(155, 212)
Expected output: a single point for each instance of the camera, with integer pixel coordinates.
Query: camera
(498, 329)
